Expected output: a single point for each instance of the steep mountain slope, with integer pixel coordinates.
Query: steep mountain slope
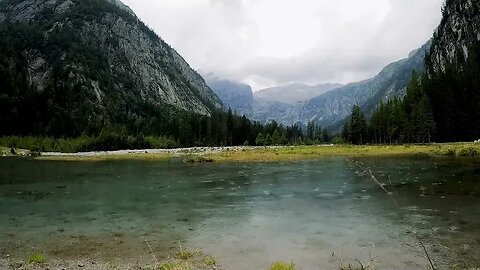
(332, 107)
(453, 72)
(293, 93)
(458, 33)
(241, 99)
(237, 96)
(75, 66)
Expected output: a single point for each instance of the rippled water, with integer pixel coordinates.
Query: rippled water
(315, 213)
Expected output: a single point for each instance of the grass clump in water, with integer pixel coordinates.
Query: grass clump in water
(36, 258)
(197, 159)
(209, 260)
(282, 266)
(175, 265)
(184, 255)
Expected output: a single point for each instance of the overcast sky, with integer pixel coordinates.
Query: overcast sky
(270, 42)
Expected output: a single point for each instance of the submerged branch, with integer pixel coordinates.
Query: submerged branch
(368, 172)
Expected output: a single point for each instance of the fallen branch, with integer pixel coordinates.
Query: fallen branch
(367, 171)
(153, 253)
(426, 252)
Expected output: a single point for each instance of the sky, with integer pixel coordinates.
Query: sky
(266, 43)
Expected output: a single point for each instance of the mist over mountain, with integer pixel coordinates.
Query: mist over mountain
(237, 96)
(293, 93)
(334, 103)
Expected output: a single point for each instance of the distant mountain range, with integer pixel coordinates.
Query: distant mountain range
(293, 93)
(326, 104)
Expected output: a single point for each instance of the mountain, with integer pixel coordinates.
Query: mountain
(456, 36)
(453, 72)
(235, 95)
(293, 93)
(333, 107)
(71, 67)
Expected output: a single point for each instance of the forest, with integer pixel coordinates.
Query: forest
(438, 107)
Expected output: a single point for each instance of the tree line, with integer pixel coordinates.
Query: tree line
(439, 106)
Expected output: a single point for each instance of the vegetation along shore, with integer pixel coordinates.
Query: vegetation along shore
(262, 154)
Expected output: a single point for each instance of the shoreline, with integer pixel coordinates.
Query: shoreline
(272, 153)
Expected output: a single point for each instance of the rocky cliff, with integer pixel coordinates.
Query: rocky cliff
(457, 34)
(90, 62)
(453, 72)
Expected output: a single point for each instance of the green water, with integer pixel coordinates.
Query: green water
(315, 213)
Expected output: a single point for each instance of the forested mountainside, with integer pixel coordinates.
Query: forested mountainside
(452, 80)
(71, 67)
(443, 103)
(331, 109)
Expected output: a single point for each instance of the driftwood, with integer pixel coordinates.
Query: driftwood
(368, 172)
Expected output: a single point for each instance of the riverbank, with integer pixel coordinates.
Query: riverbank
(272, 153)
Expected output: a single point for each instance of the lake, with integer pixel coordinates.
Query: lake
(318, 214)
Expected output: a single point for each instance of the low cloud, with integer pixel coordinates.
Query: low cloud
(271, 42)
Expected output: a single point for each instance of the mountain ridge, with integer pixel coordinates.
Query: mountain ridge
(331, 108)
(294, 92)
(96, 62)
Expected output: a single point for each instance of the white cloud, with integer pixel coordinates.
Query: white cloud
(270, 42)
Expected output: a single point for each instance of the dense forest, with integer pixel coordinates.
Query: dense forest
(175, 128)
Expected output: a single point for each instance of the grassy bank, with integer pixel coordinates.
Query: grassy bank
(109, 157)
(106, 141)
(315, 152)
(287, 153)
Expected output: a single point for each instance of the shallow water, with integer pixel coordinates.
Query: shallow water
(315, 213)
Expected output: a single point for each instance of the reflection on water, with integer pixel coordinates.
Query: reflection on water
(315, 213)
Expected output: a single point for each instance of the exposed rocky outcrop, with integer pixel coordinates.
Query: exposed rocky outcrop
(458, 32)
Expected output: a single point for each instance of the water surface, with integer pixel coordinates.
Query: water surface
(315, 213)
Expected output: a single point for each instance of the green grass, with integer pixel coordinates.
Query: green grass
(184, 255)
(175, 265)
(210, 261)
(109, 157)
(197, 159)
(282, 266)
(104, 141)
(36, 258)
(289, 153)
(315, 152)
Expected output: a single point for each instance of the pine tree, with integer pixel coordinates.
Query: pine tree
(276, 139)
(268, 139)
(358, 126)
(260, 140)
